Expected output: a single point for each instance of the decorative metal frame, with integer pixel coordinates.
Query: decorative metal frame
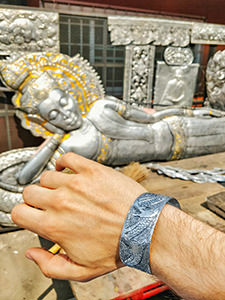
(164, 32)
(143, 31)
(138, 74)
(203, 33)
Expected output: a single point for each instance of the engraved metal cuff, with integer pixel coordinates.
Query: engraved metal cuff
(138, 229)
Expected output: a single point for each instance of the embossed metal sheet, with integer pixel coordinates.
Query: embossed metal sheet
(205, 33)
(175, 85)
(163, 32)
(178, 56)
(143, 31)
(138, 79)
(215, 80)
(28, 30)
(195, 175)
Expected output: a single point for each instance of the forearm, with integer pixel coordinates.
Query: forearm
(131, 113)
(138, 115)
(188, 255)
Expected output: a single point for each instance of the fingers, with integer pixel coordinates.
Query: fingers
(57, 266)
(28, 217)
(74, 162)
(77, 163)
(54, 179)
(38, 196)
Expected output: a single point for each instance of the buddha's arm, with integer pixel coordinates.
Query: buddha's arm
(37, 163)
(177, 99)
(139, 115)
(129, 112)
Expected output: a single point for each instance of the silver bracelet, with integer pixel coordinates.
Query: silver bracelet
(138, 229)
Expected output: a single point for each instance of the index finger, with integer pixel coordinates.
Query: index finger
(28, 217)
(53, 179)
(74, 162)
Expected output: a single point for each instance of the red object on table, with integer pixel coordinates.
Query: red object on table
(145, 292)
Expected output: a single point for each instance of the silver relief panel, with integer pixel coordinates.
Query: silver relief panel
(215, 80)
(203, 33)
(164, 32)
(174, 85)
(28, 30)
(143, 31)
(178, 56)
(138, 75)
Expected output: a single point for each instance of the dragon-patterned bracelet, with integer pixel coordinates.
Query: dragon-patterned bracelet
(138, 229)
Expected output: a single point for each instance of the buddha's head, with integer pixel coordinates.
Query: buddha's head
(179, 73)
(61, 110)
(54, 92)
(44, 99)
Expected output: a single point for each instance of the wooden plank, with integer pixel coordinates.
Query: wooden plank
(191, 195)
(216, 203)
(204, 162)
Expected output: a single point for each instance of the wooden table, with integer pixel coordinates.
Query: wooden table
(190, 195)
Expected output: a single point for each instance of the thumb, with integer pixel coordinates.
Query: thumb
(58, 266)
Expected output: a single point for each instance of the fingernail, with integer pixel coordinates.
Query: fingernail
(29, 256)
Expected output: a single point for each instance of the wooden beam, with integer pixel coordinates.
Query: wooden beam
(34, 3)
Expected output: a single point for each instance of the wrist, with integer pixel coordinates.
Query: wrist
(162, 244)
(138, 229)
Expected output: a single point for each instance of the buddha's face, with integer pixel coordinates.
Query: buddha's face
(179, 74)
(61, 110)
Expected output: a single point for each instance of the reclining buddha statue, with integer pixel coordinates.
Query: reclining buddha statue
(62, 99)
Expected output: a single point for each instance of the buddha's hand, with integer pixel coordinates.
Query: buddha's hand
(82, 212)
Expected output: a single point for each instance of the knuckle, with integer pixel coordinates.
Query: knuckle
(60, 199)
(97, 171)
(78, 185)
(50, 227)
(45, 271)
(27, 192)
(50, 232)
(15, 213)
(73, 182)
(44, 176)
(92, 169)
(68, 157)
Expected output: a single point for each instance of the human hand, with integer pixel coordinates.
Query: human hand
(83, 213)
